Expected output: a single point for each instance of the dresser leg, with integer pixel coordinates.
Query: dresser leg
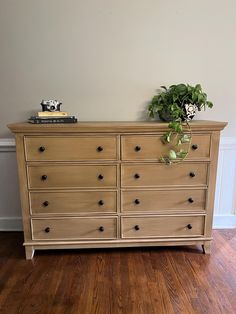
(206, 247)
(29, 252)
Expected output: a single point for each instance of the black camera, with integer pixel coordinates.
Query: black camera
(51, 105)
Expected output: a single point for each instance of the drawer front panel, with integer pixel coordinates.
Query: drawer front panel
(162, 226)
(150, 147)
(154, 201)
(73, 202)
(71, 148)
(72, 176)
(151, 175)
(74, 228)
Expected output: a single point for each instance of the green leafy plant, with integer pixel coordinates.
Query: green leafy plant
(171, 106)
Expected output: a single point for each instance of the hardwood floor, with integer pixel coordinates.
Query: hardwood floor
(110, 281)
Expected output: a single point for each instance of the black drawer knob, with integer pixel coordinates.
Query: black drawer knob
(137, 201)
(136, 227)
(47, 229)
(42, 149)
(99, 148)
(46, 203)
(194, 146)
(100, 177)
(44, 177)
(137, 148)
(192, 174)
(101, 202)
(189, 226)
(190, 200)
(137, 176)
(101, 229)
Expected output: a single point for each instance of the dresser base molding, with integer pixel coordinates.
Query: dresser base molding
(30, 247)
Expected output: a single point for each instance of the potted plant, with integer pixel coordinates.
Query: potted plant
(178, 105)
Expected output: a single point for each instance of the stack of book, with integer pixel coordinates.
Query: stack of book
(52, 117)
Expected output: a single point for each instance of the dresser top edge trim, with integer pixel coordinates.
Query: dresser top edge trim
(116, 127)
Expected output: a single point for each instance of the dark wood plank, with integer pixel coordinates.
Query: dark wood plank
(119, 281)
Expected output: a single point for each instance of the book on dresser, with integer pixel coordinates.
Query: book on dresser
(52, 114)
(86, 185)
(47, 119)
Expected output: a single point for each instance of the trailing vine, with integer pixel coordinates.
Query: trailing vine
(177, 105)
(176, 138)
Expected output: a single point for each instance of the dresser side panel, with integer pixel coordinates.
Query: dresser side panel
(212, 182)
(24, 196)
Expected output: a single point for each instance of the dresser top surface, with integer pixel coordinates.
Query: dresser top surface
(114, 126)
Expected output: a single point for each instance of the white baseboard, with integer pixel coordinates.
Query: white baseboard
(7, 145)
(11, 224)
(224, 222)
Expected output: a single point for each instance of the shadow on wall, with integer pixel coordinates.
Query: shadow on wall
(142, 114)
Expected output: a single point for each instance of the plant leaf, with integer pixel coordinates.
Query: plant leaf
(172, 154)
(185, 138)
(164, 87)
(181, 153)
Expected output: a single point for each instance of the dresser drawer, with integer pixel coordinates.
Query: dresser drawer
(70, 148)
(151, 175)
(80, 202)
(154, 201)
(150, 147)
(73, 202)
(162, 226)
(72, 176)
(74, 228)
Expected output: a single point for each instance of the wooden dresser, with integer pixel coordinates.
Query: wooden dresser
(100, 184)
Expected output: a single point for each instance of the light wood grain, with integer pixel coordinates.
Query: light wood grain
(117, 243)
(72, 176)
(24, 196)
(162, 226)
(71, 148)
(211, 185)
(72, 187)
(156, 201)
(206, 247)
(151, 147)
(152, 175)
(29, 252)
(114, 126)
(74, 228)
(73, 202)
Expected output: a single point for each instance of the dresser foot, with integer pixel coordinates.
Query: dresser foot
(29, 252)
(206, 247)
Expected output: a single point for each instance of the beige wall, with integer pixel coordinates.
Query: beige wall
(105, 58)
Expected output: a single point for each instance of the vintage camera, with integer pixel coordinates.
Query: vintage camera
(51, 105)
